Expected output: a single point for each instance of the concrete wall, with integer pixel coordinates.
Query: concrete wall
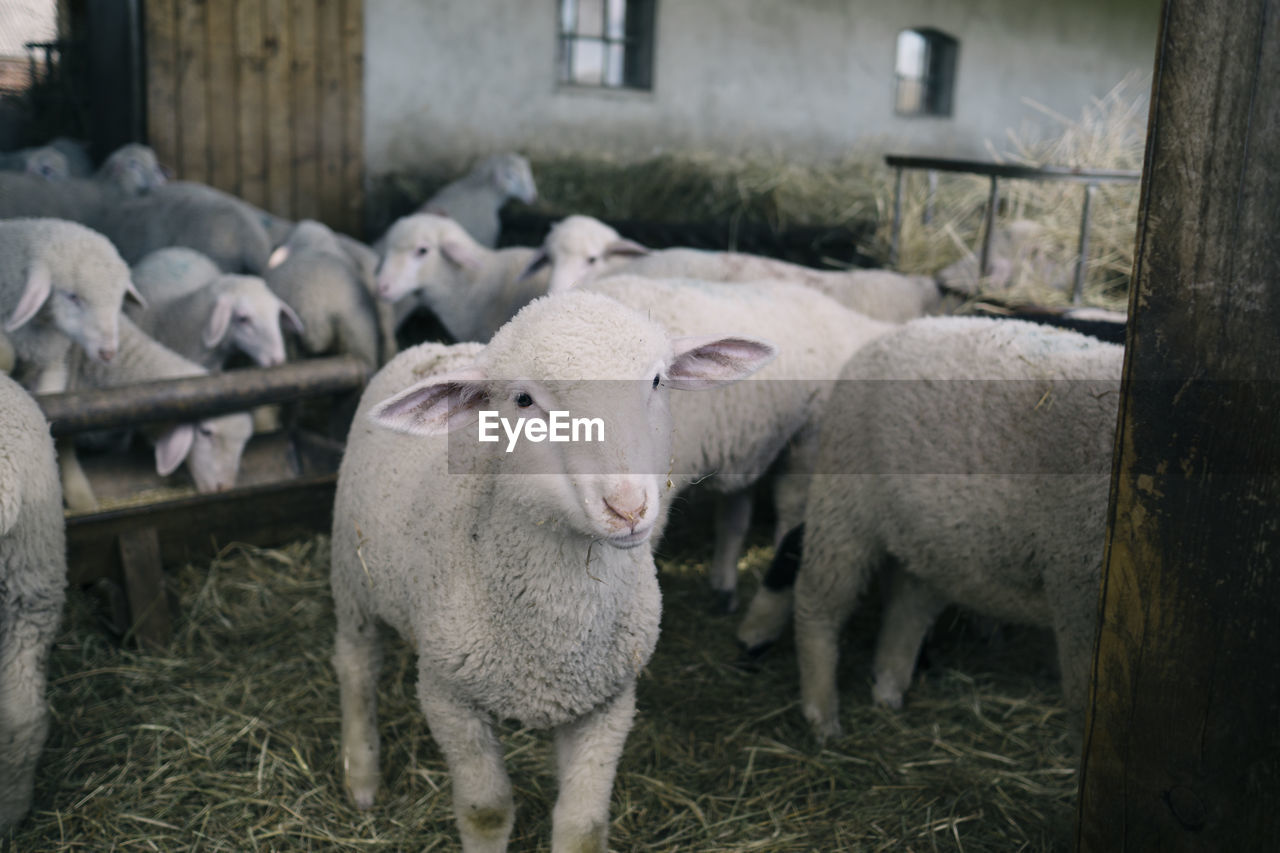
(449, 80)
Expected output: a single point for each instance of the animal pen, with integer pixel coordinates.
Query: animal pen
(221, 732)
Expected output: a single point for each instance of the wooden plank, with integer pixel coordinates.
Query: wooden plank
(353, 126)
(277, 41)
(199, 396)
(194, 528)
(1182, 746)
(251, 93)
(332, 114)
(306, 111)
(192, 162)
(144, 586)
(162, 79)
(223, 98)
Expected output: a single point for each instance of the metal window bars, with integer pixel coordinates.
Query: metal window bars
(1091, 178)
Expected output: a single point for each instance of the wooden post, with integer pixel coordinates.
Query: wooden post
(1182, 741)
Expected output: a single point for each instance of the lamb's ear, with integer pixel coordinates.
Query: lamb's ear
(622, 248)
(705, 362)
(173, 447)
(436, 405)
(539, 260)
(278, 257)
(131, 292)
(461, 254)
(39, 286)
(289, 318)
(219, 321)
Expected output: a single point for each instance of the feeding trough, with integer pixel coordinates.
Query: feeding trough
(285, 490)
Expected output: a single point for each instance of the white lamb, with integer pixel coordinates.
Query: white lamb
(129, 171)
(473, 201)
(973, 457)
(580, 249)
(731, 440)
(431, 261)
(206, 321)
(524, 579)
(60, 284)
(185, 213)
(44, 162)
(331, 292)
(211, 447)
(33, 580)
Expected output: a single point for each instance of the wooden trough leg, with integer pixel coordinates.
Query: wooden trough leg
(144, 584)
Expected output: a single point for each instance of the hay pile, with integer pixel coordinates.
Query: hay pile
(1110, 134)
(228, 740)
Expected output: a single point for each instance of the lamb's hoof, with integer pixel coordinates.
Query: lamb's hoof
(887, 696)
(824, 727)
(362, 794)
(724, 601)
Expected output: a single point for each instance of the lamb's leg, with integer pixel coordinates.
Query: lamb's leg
(826, 592)
(77, 493)
(357, 657)
(482, 800)
(912, 606)
(587, 753)
(25, 638)
(733, 520)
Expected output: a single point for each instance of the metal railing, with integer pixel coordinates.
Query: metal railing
(1091, 178)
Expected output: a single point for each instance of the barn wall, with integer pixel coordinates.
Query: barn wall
(263, 99)
(449, 79)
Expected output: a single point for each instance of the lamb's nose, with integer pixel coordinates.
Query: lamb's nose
(628, 505)
(106, 353)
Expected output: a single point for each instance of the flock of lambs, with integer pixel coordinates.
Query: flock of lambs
(963, 459)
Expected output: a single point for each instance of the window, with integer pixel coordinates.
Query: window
(607, 43)
(926, 72)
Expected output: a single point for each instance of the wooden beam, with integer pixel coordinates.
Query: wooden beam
(199, 396)
(144, 585)
(277, 42)
(192, 162)
(162, 77)
(1182, 741)
(306, 110)
(251, 93)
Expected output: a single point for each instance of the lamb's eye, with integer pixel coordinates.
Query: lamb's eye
(657, 379)
(74, 298)
(421, 251)
(523, 400)
(592, 260)
(241, 319)
(207, 432)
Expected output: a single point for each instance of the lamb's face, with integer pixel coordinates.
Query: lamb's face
(581, 250)
(216, 447)
(251, 317)
(85, 303)
(585, 446)
(412, 256)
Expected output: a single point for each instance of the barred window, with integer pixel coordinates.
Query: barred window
(607, 43)
(926, 72)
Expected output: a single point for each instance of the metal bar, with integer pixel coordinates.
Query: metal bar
(896, 235)
(1082, 254)
(929, 197)
(993, 202)
(1010, 170)
(199, 396)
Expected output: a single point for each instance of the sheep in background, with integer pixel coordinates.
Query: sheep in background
(731, 440)
(473, 201)
(527, 597)
(129, 171)
(211, 447)
(207, 319)
(331, 292)
(430, 260)
(44, 162)
(982, 450)
(60, 284)
(580, 249)
(183, 213)
(33, 581)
